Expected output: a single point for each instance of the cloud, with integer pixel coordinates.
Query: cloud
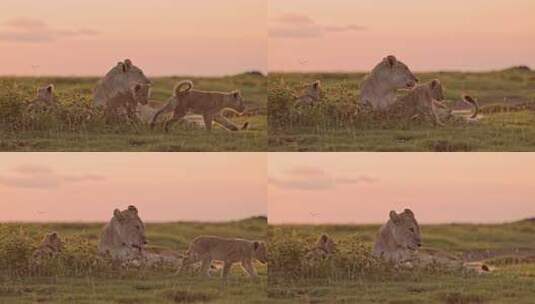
(361, 179)
(346, 28)
(42, 177)
(83, 178)
(292, 18)
(32, 169)
(315, 179)
(292, 25)
(37, 31)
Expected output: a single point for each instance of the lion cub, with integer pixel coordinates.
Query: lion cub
(325, 247)
(207, 104)
(427, 101)
(50, 247)
(138, 94)
(45, 98)
(310, 95)
(205, 249)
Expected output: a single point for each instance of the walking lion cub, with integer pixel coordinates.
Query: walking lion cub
(208, 104)
(205, 249)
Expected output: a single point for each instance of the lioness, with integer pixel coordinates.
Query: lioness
(44, 99)
(325, 246)
(123, 238)
(310, 95)
(399, 238)
(379, 88)
(227, 250)
(114, 91)
(208, 104)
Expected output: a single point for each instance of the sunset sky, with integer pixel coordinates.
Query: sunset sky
(363, 187)
(349, 35)
(164, 37)
(164, 186)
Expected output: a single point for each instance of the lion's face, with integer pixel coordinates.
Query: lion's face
(141, 93)
(46, 93)
(236, 102)
(52, 241)
(396, 74)
(327, 244)
(405, 229)
(125, 75)
(130, 228)
(260, 252)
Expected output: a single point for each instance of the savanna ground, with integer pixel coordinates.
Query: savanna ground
(354, 276)
(332, 125)
(80, 276)
(76, 127)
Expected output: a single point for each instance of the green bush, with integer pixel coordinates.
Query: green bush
(353, 259)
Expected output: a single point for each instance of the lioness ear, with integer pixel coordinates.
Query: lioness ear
(236, 94)
(409, 212)
(391, 60)
(434, 83)
(394, 216)
(256, 244)
(324, 238)
(50, 88)
(132, 208)
(126, 65)
(316, 84)
(117, 214)
(53, 235)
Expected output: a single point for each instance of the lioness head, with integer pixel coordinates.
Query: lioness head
(405, 229)
(53, 242)
(260, 251)
(140, 93)
(46, 93)
(133, 73)
(235, 101)
(326, 244)
(395, 73)
(129, 228)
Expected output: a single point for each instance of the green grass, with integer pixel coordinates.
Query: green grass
(70, 130)
(509, 247)
(104, 285)
(330, 127)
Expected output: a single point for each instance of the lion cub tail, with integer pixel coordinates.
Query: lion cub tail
(188, 84)
(470, 100)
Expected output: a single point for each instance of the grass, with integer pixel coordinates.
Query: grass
(103, 284)
(70, 129)
(331, 126)
(509, 247)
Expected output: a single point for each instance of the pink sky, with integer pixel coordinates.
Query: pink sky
(164, 186)
(364, 187)
(164, 37)
(349, 35)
